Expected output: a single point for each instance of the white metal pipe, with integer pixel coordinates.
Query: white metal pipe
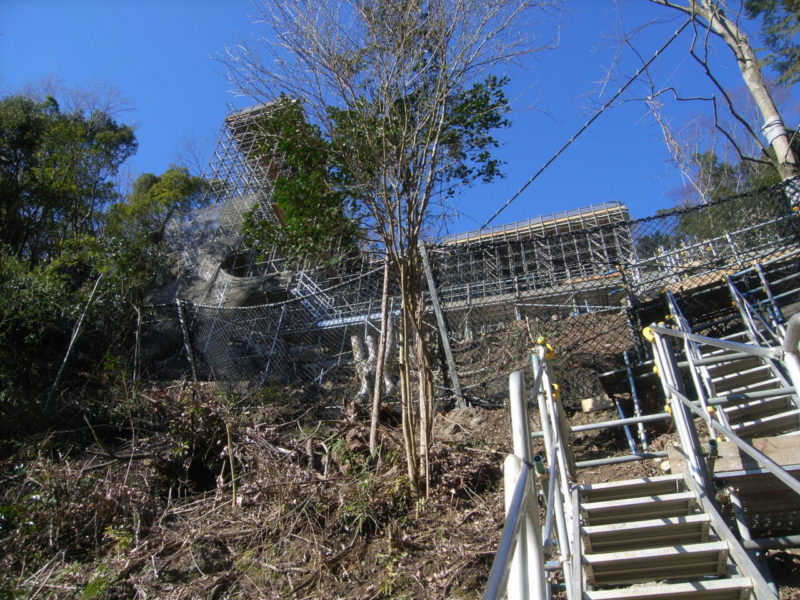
(499, 574)
(519, 418)
(517, 576)
(550, 449)
(790, 350)
(673, 388)
(724, 344)
(534, 549)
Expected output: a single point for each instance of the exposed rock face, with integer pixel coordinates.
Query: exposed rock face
(219, 283)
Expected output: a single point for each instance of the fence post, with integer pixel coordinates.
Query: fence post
(187, 341)
(437, 309)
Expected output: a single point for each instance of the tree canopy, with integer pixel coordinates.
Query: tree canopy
(780, 25)
(57, 173)
(154, 200)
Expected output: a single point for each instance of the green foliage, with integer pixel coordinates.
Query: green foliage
(722, 181)
(323, 191)
(56, 173)
(154, 200)
(63, 228)
(35, 312)
(316, 218)
(474, 113)
(780, 27)
(97, 585)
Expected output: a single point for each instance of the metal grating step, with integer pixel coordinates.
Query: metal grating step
(655, 564)
(632, 488)
(743, 377)
(772, 424)
(738, 413)
(667, 531)
(756, 386)
(738, 588)
(734, 366)
(639, 509)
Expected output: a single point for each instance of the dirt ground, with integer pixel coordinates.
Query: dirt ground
(275, 498)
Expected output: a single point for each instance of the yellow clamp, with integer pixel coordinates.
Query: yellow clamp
(655, 370)
(796, 209)
(668, 409)
(648, 334)
(556, 391)
(549, 353)
(712, 411)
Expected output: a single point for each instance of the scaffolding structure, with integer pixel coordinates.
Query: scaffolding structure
(568, 261)
(584, 272)
(239, 176)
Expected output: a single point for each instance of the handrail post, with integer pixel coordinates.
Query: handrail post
(517, 576)
(791, 358)
(665, 360)
(527, 578)
(553, 453)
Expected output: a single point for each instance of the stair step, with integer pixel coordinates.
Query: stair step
(654, 564)
(639, 508)
(632, 488)
(738, 413)
(723, 388)
(772, 424)
(734, 366)
(738, 588)
(743, 377)
(667, 531)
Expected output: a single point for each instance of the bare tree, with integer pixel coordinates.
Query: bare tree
(711, 18)
(385, 80)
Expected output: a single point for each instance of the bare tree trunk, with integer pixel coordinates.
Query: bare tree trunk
(712, 12)
(426, 400)
(424, 374)
(380, 360)
(407, 406)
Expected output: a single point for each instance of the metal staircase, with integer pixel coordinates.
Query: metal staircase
(657, 537)
(748, 392)
(653, 538)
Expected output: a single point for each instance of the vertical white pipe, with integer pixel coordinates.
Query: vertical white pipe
(517, 582)
(533, 543)
(519, 418)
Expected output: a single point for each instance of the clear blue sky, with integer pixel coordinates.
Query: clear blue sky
(160, 55)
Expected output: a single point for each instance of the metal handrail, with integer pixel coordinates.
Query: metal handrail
(518, 570)
(766, 352)
(515, 517)
(749, 316)
(668, 365)
(700, 376)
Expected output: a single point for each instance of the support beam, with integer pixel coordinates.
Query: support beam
(443, 334)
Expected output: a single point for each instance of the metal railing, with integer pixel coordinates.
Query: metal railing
(519, 567)
(682, 407)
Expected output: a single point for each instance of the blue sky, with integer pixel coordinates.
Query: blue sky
(160, 55)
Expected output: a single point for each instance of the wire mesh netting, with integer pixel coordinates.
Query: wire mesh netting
(586, 279)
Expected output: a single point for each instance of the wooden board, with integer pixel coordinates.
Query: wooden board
(784, 450)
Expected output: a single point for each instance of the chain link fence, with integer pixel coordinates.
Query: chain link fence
(586, 279)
